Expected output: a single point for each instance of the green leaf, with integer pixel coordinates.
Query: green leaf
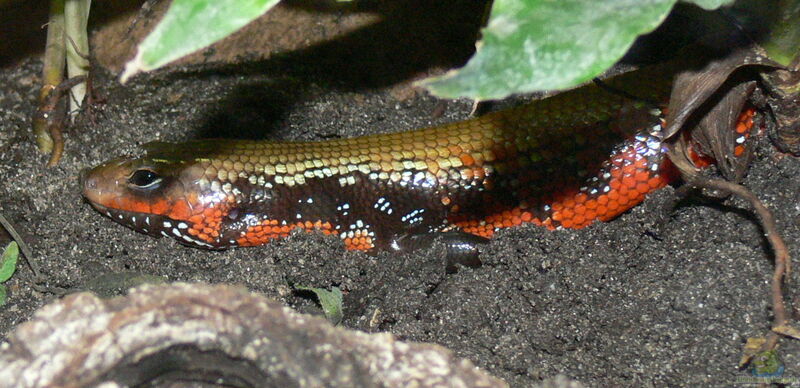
(533, 45)
(782, 43)
(331, 302)
(9, 261)
(767, 364)
(190, 25)
(3, 295)
(709, 4)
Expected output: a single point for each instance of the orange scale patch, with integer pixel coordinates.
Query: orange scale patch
(643, 187)
(628, 181)
(207, 223)
(269, 230)
(160, 207)
(180, 210)
(129, 204)
(473, 227)
(580, 222)
(656, 182)
(362, 243)
(642, 176)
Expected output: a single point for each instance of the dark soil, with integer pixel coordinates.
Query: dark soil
(660, 296)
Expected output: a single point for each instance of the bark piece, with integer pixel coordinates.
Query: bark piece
(215, 334)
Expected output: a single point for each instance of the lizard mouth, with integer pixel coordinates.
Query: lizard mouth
(153, 225)
(144, 223)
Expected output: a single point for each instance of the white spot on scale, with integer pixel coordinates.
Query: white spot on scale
(183, 225)
(740, 140)
(176, 232)
(163, 233)
(133, 219)
(120, 216)
(167, 224)
(147, 220)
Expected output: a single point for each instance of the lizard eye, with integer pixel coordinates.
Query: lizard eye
(144, 179)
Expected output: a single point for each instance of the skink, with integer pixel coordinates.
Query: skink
(562, 162)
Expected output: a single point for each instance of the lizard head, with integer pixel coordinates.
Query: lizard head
(160, 193)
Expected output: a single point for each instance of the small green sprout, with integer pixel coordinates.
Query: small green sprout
(7, 268)
(331, 302)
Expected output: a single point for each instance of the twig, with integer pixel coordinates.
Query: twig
(51, 115)
(26, 251)
(782, 261)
